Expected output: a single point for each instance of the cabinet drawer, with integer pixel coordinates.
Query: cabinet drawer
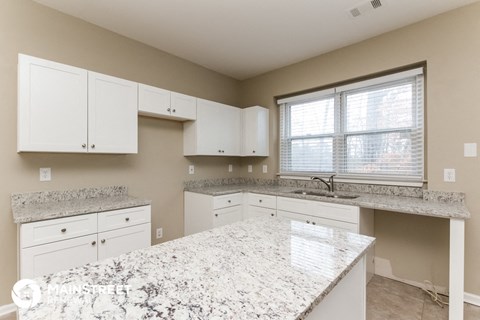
(336, 212)
(262, 200)
(53, 257)
(254, 211)
(114, 243)
(228, 200)
(116, 219)
(294, 205)
(351, 227)
(41, 232)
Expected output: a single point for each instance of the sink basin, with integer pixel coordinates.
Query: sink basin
(324, 194)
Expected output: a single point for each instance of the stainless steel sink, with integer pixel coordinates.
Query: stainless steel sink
(324, 194)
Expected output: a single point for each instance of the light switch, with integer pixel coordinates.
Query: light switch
(45, 174)
(230, 168)
(265, 168)
(470, 149)
(449, 175)
(250, 169)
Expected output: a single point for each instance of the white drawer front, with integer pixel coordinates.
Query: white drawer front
(114, 243)
(41, 232)
(53, 257)
(115, 219)
(254, 211)
(228, 200)
(336, 212)
(294, 205)
(262, 200)
(351, 227)
(226, 216)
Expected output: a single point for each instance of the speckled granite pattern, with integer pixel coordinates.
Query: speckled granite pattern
(450, 197)
(410, 205)
(36, 206)
(264, 268)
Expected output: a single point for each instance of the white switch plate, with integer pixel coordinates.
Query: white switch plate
(191, 169)
(264, 168)
(449, 175)
(159, 233)
(230, 168)
(250, 169)
(470, 149)
(45, 174)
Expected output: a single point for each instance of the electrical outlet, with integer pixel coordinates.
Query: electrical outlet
(230, 168)
(264, 168)
(45, 174)
(250, 168)
(159, 233)
(470, 150)
(449, 175)
(191, 169)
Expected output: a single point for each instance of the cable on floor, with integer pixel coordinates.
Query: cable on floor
(431, 290)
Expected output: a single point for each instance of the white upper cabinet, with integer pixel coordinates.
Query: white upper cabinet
(67, 109)
(52, 106)
(112, 114)
(160, 103)
(255, 131)
(217, 130)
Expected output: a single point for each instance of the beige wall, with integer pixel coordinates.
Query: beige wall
(159, 168)
(417, 247)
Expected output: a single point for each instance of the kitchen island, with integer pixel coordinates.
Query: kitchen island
(256, 269)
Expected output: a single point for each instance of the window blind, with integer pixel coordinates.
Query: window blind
(371, 130)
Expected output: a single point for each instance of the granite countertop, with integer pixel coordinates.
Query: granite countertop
(263, 268)
(36, 206)
(433, 204)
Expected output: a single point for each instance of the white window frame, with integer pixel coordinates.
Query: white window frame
(340, 135)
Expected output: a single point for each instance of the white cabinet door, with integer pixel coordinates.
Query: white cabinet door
(183, 107)
(215, 132)
(112, 114)
(226, 216)
(254, 211)
(61, 255)
(52, 106)
(153, 101)
(255, 131)
(115, 242)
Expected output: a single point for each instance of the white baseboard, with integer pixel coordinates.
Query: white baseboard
(7, 309)
(472, 299)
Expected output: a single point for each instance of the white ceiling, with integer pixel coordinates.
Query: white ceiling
(245, 38)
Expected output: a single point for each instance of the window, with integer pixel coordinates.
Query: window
(367, 130)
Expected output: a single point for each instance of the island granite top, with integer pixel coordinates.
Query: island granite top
(433, 204)
(263, 268)
(44, 205)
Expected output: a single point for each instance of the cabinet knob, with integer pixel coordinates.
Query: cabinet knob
(64, 230)
(102, 241)
(272, 214)
(220, 151)
(260, 200)
(253, 151)
(223, 151)
(216, 214)
(308, 221)
(168, 109)
(174, 110)
(84, 145)
(314, 223)
(93, 146)
(127, 219)
(94, 243)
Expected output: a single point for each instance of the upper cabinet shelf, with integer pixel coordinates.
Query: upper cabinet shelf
(161, 103)
(67, 109)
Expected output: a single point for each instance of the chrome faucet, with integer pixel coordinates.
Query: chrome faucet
(330, 184)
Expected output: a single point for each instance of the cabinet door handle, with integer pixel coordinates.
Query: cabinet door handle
(220, 151)
(260, 200)
(64, 230)
(168, 109)
(253, 151)
(174, 110)
(216, 214)
(314, 223)
(94, 243)
(102, 241)
(229, 201)
(308, 221)
(127, 219)
(272, 214)
(93, 146)
(84, 145)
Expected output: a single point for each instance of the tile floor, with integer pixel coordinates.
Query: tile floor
(392, 300)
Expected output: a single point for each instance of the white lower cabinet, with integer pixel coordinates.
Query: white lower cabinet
(260, 205)
(203, 212)
(59, 244)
